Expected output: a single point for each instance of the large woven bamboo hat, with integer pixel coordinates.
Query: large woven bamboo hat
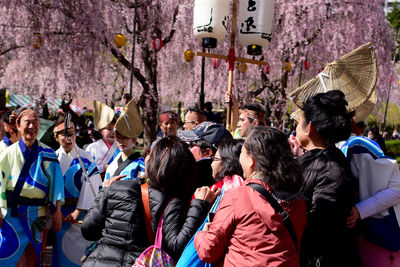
(129, 123)
(354, 74)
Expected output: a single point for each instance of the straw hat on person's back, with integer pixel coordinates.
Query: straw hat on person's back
(354, 74)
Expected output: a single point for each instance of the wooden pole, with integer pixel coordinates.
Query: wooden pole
(231, 59)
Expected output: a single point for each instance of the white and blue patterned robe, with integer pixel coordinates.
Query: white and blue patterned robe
(42, 180)
(70, 244)
(134, 170)
(6, 142)
(102, 154)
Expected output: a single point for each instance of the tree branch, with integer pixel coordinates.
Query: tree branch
(172, 32)
(10, 49)
(122, 59)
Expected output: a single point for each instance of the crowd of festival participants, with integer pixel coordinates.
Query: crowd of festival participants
(255, 197)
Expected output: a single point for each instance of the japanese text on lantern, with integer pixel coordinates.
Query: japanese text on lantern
(248, 25)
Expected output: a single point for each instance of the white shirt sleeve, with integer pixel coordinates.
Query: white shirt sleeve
(379, 183)
(379, 202)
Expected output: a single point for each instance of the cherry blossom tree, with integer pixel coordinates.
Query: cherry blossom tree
(53, 47)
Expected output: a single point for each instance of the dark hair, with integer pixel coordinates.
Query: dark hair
(254, 107)
(6, 117)
(274, 159)
(229, 151)
(208, 106)
(127, 96)
(171, 168)
(258, 109)
(203, 144)
(13, 124)
(60, 120)
(327, 112)
(195, 109)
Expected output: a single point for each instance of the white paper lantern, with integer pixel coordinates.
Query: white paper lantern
(210, 21)
(255, 24)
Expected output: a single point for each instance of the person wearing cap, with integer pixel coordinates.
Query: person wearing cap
(82, 183)
(30, 179)
(11, 134)
(203, 141)
(104, 150)
(193, 118)
(128, 164)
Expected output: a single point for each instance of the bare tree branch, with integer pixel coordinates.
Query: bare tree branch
(172, 32)
(10, 49)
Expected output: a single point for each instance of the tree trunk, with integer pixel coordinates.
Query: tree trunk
(150, 131)
(2, 99)
(149, 98)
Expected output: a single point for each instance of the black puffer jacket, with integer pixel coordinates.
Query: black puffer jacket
(179, 224)
(329, 193)
(116, 219)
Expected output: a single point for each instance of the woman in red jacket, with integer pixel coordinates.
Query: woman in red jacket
(247, 230)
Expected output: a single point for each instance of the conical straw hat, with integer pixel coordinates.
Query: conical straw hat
(129, 123)
(354, 74)
(102, 115)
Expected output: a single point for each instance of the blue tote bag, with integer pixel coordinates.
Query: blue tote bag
(189, 256)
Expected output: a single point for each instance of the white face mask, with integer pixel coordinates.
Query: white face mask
(128, 148)
(370, 136)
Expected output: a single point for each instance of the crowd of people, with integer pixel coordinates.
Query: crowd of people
(253, 197)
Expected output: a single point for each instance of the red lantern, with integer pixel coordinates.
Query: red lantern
(157, 43)
(266, 69)
(216, 63)
(306, 65)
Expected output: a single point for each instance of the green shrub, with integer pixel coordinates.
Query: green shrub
(393, 149)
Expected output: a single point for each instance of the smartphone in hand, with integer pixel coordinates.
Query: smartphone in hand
(211, 216)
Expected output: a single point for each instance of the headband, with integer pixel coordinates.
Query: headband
(168, 116)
